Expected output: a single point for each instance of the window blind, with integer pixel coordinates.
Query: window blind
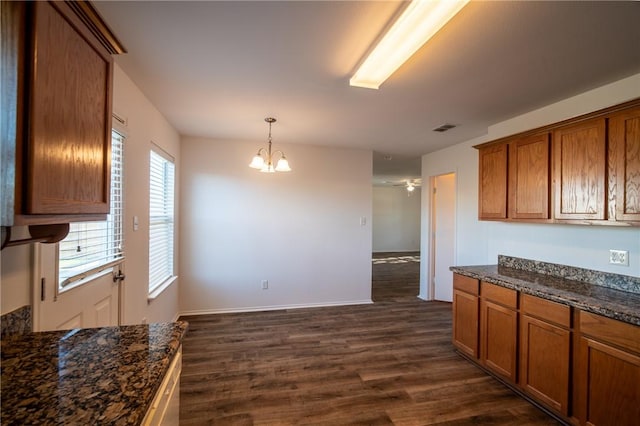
(91, 247)
(161, 217)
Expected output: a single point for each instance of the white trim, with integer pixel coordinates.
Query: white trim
(162, 287)
(275, 307)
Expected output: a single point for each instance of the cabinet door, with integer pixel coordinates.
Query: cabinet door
(610, 385)
(492, 195)
(544, 362)
(67, 152)
(579, 163)
(624, 155)
(465, 322)
(499, 339)
(529, 178)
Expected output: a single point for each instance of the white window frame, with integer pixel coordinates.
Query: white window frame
(162, 187)
(102, 241)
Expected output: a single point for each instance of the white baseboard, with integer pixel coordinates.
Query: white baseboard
(274, 307)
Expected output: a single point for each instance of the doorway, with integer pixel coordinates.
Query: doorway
(396, 243)
(443, 214)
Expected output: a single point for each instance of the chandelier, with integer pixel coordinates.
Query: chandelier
(263, 160)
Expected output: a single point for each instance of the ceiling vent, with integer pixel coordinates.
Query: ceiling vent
(444, 128)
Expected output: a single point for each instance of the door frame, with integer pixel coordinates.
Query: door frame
(427, 284)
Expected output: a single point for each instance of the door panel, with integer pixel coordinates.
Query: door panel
(92, 304)
(443, 232)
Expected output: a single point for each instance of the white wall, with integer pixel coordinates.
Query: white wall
(480, 242)
(145, 125)
(301, 230)
(396, 219)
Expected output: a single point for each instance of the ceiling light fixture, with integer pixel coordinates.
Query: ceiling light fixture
(266, 164)
(417, 24)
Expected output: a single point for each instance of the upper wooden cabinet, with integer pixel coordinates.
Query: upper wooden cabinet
(493, 182)
(529, 177)
(582, 170)
(624, 164)
(579, 164)
(59, 97)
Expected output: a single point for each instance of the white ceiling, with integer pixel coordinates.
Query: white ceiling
(217, 69)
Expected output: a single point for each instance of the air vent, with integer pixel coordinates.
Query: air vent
(444, 128)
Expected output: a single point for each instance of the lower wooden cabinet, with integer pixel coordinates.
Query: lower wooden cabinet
(608, 369)
(545, 351)
(499, 330)
(583, 367)
(465, 314)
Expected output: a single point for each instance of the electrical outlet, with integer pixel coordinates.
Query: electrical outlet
(619, 257)
(265, 284)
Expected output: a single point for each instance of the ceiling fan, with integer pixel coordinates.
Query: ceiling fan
(410, 184)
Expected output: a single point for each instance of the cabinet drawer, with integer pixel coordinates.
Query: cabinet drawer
(546, 310)
(503, 296)
(626, 336)
(467, 284)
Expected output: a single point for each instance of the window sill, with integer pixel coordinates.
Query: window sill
(162, 287)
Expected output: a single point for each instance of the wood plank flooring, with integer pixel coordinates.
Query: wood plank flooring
(387, 363)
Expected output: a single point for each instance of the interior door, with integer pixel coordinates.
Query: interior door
(94, 303)
(443, 234)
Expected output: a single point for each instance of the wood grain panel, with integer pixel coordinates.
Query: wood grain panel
(467, 284)
(529, 172)
(12, 23)
(612, 379)
(499, 336)
(544, 362)
(492, 195)
(69, 145)
(624, 139)
(626, 336)
(579, 155)
(502, 295)
(465, 322)
(546, 310)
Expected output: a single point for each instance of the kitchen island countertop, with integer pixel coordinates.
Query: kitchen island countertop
(106, 375)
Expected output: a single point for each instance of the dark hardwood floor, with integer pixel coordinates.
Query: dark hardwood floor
(386, 363)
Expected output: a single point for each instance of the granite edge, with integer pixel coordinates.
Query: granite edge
(556, 295)
(18, 321)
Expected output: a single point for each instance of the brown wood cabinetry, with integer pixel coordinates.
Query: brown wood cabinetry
(545, 342)
(465, 314)
(529, 177)
(582, 367)
(499, 330)
(493, 182)
(608, 371)
(582, 170)
(624, 164)
(60, 96)
(579, 164)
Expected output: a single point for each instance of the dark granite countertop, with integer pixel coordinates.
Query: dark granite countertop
(91, 376)
(609, 302)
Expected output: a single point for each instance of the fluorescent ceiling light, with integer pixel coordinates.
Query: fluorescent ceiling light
(417, 24)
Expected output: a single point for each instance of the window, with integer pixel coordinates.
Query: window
(92, 247)
(161, 207)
